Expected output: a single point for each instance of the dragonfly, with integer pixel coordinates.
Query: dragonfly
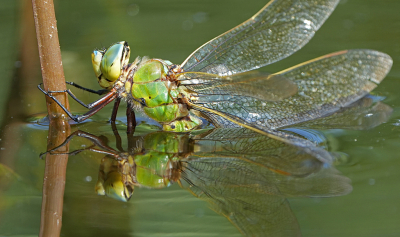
(244, 176)
(217, 82)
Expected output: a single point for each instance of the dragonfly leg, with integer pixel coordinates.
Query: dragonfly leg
(107, 99)
(115, 110)
(130, 118)
(118, 139)
(113, 126)
(99, 92)
(95, 106)
(88, 106)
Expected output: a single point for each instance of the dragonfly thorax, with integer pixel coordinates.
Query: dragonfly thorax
(159, 95)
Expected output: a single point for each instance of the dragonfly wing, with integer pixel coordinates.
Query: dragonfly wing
(325, 85)
(259, 85)
(278, 30)
(275, 155)
(253, 205)
(246, 177)
(202, 175)
(363, 114)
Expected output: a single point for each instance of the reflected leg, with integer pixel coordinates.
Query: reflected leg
(130, 119)
(94, 139)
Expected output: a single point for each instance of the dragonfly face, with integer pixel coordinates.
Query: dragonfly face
(114, 179)
(157, 166)
(108, 64)
(114, 187)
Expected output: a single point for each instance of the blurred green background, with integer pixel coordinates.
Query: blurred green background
(172, 29)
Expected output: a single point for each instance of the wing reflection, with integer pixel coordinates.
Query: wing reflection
(243, 175)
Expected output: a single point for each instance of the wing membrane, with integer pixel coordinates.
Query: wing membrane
(255, 84)
(278, 30)
(362, 115)
(253, 205)
(230, 173)
(325, 85)
(273, 154)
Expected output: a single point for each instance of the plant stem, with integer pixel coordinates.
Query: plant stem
(50, 54)
(59, 129)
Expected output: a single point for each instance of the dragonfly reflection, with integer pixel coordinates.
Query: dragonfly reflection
(244, 176)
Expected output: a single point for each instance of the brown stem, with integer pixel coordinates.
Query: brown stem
(49, 54)
(59, 129)
(54, 180)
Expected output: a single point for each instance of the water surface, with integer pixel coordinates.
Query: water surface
(172, 30)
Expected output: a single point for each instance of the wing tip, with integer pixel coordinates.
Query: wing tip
(383, 63)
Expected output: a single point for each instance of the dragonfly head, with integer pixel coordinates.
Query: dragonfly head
(114, 186)
(108, 64)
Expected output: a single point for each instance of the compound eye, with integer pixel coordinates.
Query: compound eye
(111, 64)
(115, 187)
(97, 56)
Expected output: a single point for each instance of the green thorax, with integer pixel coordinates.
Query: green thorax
(153, 169)
(151, 86)
(158, 167)
(168, 142)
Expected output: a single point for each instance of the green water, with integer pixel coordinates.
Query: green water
(172, 30)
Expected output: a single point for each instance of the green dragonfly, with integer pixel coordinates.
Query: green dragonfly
(244, 176)
(214, 82)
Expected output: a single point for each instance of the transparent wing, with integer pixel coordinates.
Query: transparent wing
(278, 30)
(325, 85)
(259, 85)
(275, 155)
(231, 173)
(255, 207)
(363, 114)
